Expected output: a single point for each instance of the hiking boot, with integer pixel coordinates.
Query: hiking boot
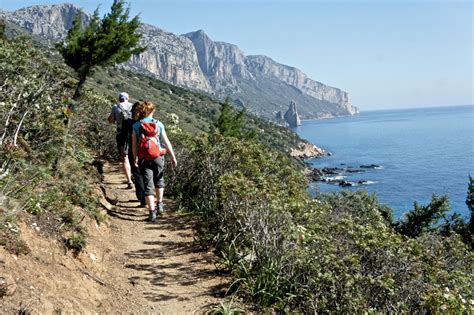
(152, 216)
(161, 207)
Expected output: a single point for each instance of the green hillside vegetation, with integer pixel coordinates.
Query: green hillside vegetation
(291, 253)
(285, 251)
(46, 171)
(197, 112)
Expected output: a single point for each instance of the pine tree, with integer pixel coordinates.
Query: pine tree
(109, 41)
(423, 219)
(2, 29)
(470, 193)
(470, 203)
(230, 123)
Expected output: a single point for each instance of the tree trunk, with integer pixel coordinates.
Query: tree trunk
(78, 92)
(67, 122)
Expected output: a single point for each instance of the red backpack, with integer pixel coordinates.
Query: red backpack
(149, 143)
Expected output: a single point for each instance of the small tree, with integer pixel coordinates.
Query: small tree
(470, 203)
(470, 194)
(109, 41)
(2, 29)
(232, 123)
(423, 218)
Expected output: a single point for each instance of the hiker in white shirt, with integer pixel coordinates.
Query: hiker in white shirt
(118, 114)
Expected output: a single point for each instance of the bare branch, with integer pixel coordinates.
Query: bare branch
(19, 127)
(7, 122)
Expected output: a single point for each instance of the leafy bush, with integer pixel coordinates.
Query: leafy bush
(291, 253)
(225, 308)
(76, 242)
(12, 242)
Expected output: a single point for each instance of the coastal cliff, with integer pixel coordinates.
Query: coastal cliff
(195, 61)
(169, 57)
(253, 80)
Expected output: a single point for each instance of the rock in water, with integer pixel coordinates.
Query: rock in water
(291, 116)
(280, 119)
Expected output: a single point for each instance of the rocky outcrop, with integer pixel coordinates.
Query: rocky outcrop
(169, 57)
(51, 21)
(306, 150)
(291, 116)
(194, 60)
(221, 63)
(337, 176)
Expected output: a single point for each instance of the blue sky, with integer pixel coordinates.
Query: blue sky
(386, 54)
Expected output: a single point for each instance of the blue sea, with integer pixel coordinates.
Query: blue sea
(421, 151)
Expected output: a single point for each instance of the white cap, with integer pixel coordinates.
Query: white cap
(123, 96)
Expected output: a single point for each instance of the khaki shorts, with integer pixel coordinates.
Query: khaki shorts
(152, 172)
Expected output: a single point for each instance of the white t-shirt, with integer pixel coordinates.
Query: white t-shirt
(116, 110)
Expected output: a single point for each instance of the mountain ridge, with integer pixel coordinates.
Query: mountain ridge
(195, 61)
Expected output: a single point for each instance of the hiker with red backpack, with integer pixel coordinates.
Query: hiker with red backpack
(127, 129)
(120, 113)
(148, 154)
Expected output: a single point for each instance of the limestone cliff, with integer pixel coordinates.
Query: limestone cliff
(264, 65)
(230, 72)
(51, 21)
(169, 57)
(221, 63)
(195, 61)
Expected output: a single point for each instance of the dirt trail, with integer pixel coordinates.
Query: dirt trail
(168, 271)
(128, 267)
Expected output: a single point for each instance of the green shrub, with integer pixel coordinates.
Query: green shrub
(76, 242)
(10, 235)
(225, 308)
(45, 167)
(290, 253)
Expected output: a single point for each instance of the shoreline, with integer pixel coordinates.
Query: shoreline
(329, 117)
(307, 150)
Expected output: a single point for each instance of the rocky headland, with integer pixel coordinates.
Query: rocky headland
(306, 150)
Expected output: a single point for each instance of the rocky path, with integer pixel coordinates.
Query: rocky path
(162, 268)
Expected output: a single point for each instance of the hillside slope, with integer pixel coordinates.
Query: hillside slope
(129, 266)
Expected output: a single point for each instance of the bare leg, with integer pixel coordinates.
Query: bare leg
(127, 169)
(150, 202)
(159, 194)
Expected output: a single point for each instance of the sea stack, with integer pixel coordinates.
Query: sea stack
(280, 118)
(291, 116)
